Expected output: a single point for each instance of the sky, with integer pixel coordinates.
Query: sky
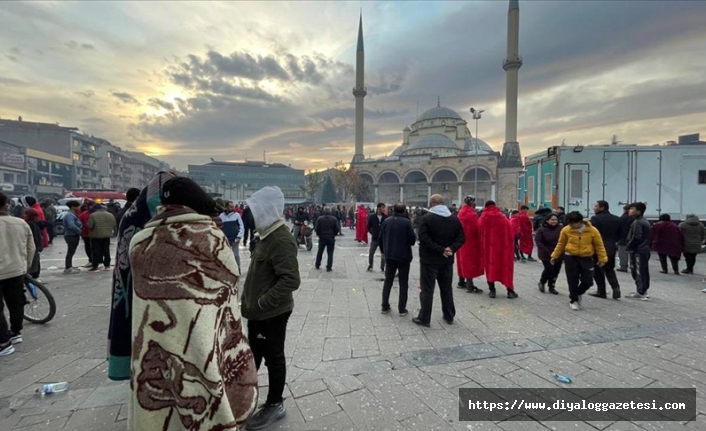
(189, 81)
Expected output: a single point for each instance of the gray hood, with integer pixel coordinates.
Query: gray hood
(267, 206)
(692, 219)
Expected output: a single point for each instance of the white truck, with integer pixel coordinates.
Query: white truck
(669, 179)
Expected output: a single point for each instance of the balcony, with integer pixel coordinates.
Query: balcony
(84, 150)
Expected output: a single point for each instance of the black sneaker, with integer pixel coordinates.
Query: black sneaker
(403, 313)
(420, 323)
(553, 291)
(448, 322)
(385, 310)
(598, 295)
(511, 294)
(616, 294)
(317, 267)
(266, 416)
(461, 285)
(621, 270)
(474, 289)
(492, 293)
(540, 285)
(329, 269)
(686, 271)
(370, 269)
(531, 259)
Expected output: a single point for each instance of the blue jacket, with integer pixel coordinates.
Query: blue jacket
(72, 225)
(232, 226)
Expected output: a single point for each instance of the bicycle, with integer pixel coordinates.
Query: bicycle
(40, 307)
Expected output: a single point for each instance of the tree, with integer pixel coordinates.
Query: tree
(312, 184)
(349, 182)
(328, 194)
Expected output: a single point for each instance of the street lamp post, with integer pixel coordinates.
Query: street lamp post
(476, 116)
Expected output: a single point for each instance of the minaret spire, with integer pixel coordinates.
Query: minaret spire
(359, 91)
(511, 149)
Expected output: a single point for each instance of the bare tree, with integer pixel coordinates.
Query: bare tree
(313, 182)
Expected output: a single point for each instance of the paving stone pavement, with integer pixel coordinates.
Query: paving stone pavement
(353, 368)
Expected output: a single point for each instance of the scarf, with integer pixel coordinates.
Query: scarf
(120, 329)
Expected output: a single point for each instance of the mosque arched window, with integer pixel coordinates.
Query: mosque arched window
(431, 123)
(443, 122)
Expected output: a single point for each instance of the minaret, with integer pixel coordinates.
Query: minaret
(511, 149)
(359, 92)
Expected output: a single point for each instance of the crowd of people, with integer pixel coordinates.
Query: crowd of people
(175, 327)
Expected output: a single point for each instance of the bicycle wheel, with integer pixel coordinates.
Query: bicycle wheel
(40, 306)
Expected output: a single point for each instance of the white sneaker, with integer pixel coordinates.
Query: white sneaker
(703, 290)
(637, 296)
(574, 306)
(8, 350)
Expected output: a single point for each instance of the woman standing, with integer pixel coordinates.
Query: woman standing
(37, 227)
(546, 239)
(667, 240)
(694, 237)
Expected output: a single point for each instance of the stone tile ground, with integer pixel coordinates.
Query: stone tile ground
(352, 368)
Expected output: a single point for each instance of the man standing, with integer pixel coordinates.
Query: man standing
(249, 225)
(561, 215)
(101, 225)
(327, 227)
(638, 246)
(131, 195)
(233, 229)
(623, 256)
(268, 298)
(579, 242)
(497, 239)
(468, 259)
(526, 229)
(72, 235)
(374, 222)
(17, 245)
(609, 226)
(440, 236)
(84, 214)
(50, 216)
(396, 241)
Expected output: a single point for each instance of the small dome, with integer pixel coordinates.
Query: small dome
(406, 129)
(433, 141)
(483, 148)
(439, 112)
(397, 152)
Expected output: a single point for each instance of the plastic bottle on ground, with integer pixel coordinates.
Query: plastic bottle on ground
(52, 388)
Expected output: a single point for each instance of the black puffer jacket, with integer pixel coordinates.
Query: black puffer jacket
(397, 238)
(639, 236)
(609, 226)
(546, 239)
(625, 222)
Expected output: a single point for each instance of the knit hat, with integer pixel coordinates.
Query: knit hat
(267, 206)
(185, 191)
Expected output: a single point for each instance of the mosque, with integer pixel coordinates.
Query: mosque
(438, 154)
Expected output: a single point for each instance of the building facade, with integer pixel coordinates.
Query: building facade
(237, 181)
(13, 169)
(49, 174)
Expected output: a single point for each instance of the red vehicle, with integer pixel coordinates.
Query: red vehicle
(97, 195)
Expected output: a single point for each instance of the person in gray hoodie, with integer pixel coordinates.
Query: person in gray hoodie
(694, 238)
(268, 298)
(440, 237)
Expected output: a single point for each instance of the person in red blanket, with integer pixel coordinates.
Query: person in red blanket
(469, 262)
(517, 232)
(361, 225)
(31, 202)
(526, 229)
(496, 239)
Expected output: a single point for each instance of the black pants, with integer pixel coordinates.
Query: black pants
(72, 243)
(429, 275)
(518, 252)
(329, 243)
(392, 267)
(36, 266)
(50, 232)
(249, 233)
(606, 272)
(371, 255)
(11, 293)
(551, 272)
(673, 260)
(690, 259)
(87, 247)
(640, 270)
(101, 252)
(267, 341)
(579, 275)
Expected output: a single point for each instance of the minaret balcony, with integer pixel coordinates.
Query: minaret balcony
(512, 64)
(360, 91)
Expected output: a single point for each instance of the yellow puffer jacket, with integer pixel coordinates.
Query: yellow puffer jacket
(585, 243)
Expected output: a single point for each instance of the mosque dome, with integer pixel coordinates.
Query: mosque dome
(483, 148)
(398, 152)
(433, 140)
(439, 112)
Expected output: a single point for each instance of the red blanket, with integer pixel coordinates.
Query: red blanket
(361, 225)
(469, 259)
(497, 244)
(526, 228)
(40, 213)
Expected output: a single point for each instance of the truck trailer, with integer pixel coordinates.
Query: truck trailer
(669, 179)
